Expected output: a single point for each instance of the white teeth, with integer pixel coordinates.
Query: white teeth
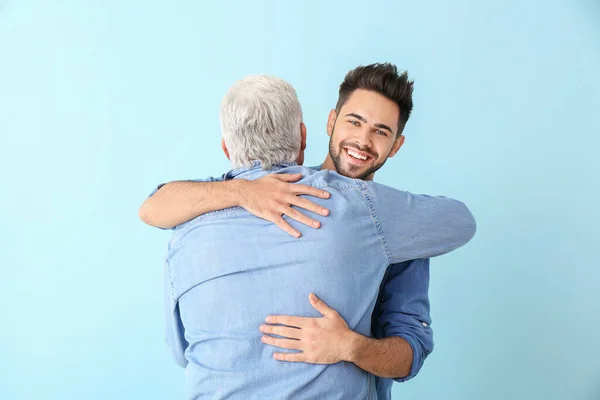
(356, 155)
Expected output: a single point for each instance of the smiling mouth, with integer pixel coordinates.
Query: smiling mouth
(357, 157)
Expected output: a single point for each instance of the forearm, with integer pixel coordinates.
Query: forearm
(178, 202)
(390, 357)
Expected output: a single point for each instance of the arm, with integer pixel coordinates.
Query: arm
(400, 321)
(328, 340)
(401, 324)
(387, 358)
(178, 202)
(269, 197)
(402, 312)
(418, 226)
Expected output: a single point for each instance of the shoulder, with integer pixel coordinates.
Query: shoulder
(324, 178)
(209, 179)
(381, 193)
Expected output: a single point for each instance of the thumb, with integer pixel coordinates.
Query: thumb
(288, 177)
(320, 305)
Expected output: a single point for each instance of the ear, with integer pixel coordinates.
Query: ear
(302, 136)
(397, 144)
(331, 122)
(224, 147)
(300, 159)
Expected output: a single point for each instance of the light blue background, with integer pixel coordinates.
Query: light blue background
(101, 100)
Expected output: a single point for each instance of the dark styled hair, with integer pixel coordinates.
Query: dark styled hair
(384, 79)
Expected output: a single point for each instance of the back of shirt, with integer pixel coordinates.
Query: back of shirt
(228, 270)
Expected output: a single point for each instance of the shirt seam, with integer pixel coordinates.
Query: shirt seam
(204, 217)
(378, 228)
(168, 265)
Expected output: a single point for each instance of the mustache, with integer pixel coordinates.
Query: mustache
(364, 149)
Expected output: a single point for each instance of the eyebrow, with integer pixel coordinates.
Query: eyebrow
(360, 118)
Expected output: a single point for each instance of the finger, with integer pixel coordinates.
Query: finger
(298, 216)
(320, 305)
(289, 357)
(297, 322)
(280, 222)
(310, 191)
(290, 333)
(307, 205)
(287, 177)
(290, 344)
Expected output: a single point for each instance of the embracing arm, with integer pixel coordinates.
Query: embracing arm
(401, 328)
(269, 198)
(389, 357)
(401, 325)
(402, 311)
(177, 202)
(328, 340)
(419, 226)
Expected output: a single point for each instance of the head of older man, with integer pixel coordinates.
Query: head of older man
(261, 120)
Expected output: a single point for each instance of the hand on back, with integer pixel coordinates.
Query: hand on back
(273, 196)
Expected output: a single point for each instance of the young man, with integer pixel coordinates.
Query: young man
(365, 129)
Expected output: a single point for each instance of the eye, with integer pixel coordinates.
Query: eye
(353, 122)
(380, 132)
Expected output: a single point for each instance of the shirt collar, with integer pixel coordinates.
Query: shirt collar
(256, 165)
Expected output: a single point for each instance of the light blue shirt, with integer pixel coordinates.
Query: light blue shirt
(227, 270)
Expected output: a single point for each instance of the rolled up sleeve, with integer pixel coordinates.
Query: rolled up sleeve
(403, 310)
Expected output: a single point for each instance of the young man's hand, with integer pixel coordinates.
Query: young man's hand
(325, 340)
(273, 196)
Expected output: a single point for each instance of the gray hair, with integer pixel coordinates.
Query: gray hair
(260, 120)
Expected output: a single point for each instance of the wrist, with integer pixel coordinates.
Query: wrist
(237, 192)
(352, 346)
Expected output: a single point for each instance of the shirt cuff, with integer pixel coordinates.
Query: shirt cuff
(418, 358)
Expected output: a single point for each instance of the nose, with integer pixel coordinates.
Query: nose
(363, 138)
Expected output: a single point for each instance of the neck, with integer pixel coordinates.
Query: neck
(328, 163)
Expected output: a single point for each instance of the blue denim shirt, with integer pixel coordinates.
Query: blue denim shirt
(227, 270)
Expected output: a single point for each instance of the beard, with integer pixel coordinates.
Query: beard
(351, 171)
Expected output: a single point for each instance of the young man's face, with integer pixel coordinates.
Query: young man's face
(363, 134)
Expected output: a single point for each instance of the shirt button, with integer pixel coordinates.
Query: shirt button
(424, 324)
